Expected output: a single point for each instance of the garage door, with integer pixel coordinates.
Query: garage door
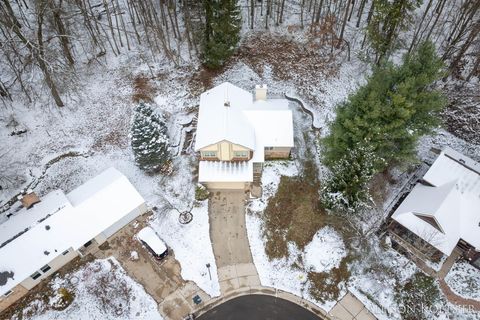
(226, 185)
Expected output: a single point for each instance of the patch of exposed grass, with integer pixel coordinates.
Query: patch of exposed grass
(143, 89)
(294, 213)
(326, 285)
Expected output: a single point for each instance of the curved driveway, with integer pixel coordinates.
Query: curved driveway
(258, 307)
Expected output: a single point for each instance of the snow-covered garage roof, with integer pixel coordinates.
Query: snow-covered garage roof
(446, 208)
(224, 171)
(62, 222)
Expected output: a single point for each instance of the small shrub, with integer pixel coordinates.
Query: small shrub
(416, 297)
(63, 300)
(201, 193)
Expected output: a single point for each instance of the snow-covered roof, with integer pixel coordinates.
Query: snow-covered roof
(446, 208)
(243, 121)
(217, 122)
(27, 218)
(273, 128)
(225, 171)
(252, 124)
(67, 228)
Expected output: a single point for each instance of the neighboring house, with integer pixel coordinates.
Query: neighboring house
(36, 242)
(236, 133)
(442, 212)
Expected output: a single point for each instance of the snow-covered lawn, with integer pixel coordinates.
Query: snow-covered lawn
(97, 125)
(464, 280)
(191, 245)
(325, 251)
(102, 290)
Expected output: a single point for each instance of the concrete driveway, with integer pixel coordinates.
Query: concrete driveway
(162, 280)
(230, 242)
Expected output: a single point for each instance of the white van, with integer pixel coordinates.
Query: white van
(150, 239)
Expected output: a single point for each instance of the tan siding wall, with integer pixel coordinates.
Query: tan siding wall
(236, 147)
(55, 264)
(224, 150)
(18, 292)
(278, 153)
(101, 238)
(213, 147)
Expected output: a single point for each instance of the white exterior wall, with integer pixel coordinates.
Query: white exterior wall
(121, 223)
(55, 264)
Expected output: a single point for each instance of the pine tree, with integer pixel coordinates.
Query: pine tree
(149, 139)
(347, 189)
(389, 113)
(388, 19)
(222, 31)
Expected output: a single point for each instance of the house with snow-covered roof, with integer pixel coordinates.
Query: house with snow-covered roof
(237, 132)
(441, 214)
(38, 240)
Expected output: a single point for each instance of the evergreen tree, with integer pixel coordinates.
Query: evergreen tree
(149, 139)
(388, 19)
(347, 189)
(222, 31)
(389, 113)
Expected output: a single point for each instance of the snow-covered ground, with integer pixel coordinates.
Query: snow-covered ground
(325, 251)
(95, 122)
(191, 245)
(102, 290)
(464, 280)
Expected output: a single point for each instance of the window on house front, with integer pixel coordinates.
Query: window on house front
(240, 154)
(9, 292)
(45, 268)
(268, 148)
(209, 154)
(35, 276)
(87, 244)
(65, 252)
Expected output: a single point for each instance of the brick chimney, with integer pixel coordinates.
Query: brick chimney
(261, 92)
(29, 199)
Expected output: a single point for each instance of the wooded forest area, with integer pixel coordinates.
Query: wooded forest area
(49, 39)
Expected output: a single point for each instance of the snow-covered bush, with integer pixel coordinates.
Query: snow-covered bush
(347, 189)
(63, 299)
(149, 139)
(201, 193)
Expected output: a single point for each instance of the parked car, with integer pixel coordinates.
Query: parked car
(150, 239)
